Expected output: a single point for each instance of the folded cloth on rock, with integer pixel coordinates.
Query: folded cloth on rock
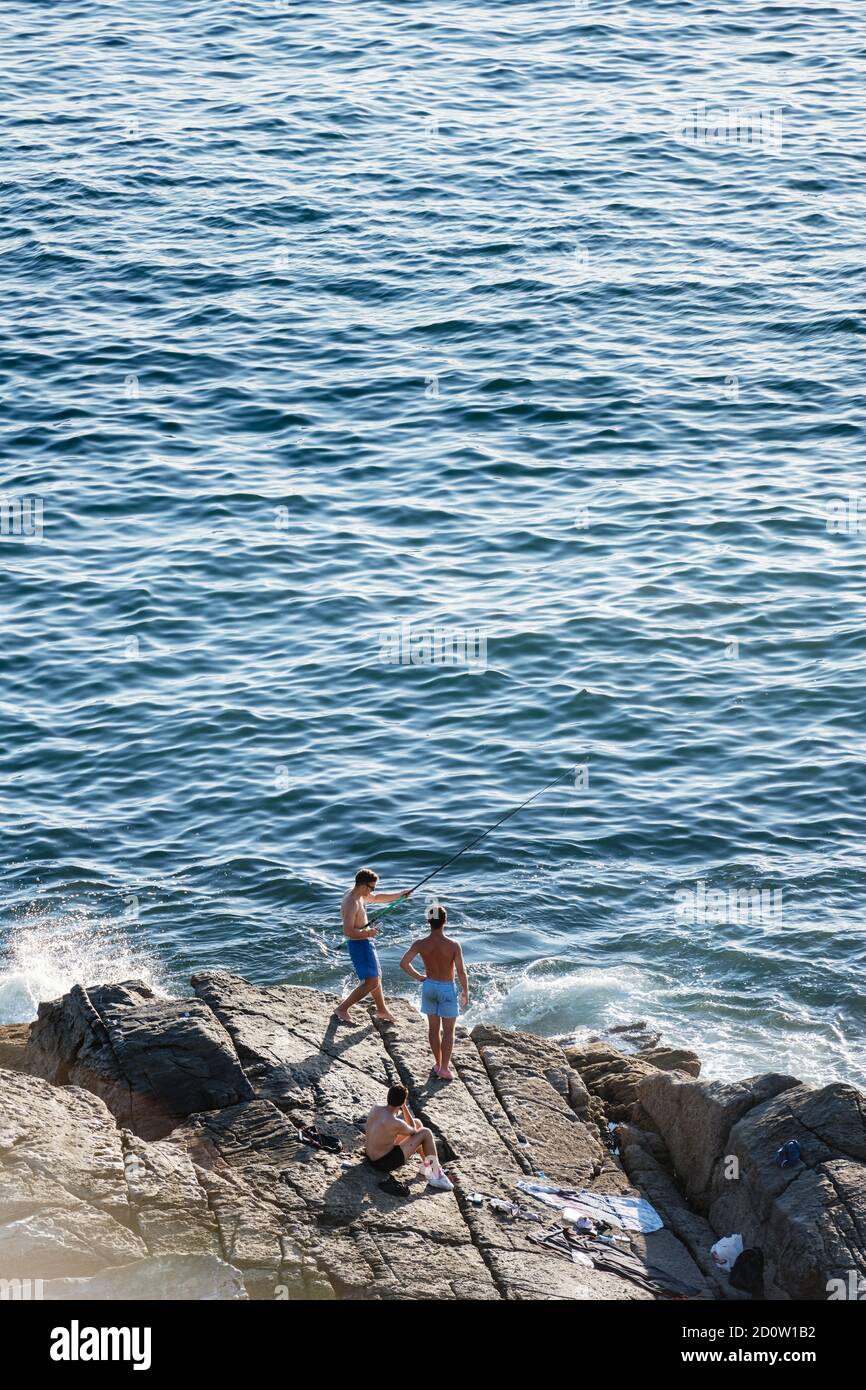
(630, 1213)
(581, 1250)
(514, 1211)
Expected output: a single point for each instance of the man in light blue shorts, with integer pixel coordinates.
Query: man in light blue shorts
(443, 959)
(362, 952)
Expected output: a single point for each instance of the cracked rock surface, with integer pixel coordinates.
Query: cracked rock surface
(149, 1148)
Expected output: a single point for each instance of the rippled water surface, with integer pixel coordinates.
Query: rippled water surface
(326, 319)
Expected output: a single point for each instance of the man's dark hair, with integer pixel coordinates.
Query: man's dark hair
(438, 918)
(398, 1095)
(366, 878)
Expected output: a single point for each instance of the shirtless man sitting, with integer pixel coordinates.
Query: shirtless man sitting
(442, 957)
(361, 949)
(393, 1135)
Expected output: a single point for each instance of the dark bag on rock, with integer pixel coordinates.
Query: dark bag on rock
(747, 1272)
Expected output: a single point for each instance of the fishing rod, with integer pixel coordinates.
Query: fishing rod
(471, 844)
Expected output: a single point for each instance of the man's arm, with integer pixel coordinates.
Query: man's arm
(402, 1130)
(405, 963)
(388, 897)
(460, 967)
(410, 1119)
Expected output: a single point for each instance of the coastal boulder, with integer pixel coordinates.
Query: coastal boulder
(64, 1202)
(809, 1219)
(696, 1118)
(615, 1077)
(644, 1157)
(152, 1060)
(297, 1055)
(672, 1059)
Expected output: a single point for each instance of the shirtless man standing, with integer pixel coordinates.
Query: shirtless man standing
(442, 957)
(393, 1135)
(361, 948)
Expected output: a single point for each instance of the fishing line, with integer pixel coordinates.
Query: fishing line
(472, 843)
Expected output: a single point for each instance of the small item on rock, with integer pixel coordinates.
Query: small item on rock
(748, 1272)
(726, 1251)
(514, 1211)
(788, 1155)
(328, 1142)
(639, 1271)
(393, 1188)
(629, 1213)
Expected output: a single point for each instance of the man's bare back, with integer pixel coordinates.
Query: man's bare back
(393, 1135)
(443, 959)
(439, 954)
(384, 1130)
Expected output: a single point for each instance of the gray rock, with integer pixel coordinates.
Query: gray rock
(297, 1055)
(672, 1059)
(153, 1061)
(536, 1088)
(13, 1043)
(696, 1118)
(301, 1225)
(651, 1177)
(190, 1278)
(809, 1220)
(169, 1202)
(615, 1077)
(208, 1192)
(64, 1207)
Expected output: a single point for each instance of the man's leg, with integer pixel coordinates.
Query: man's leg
(379, 1000)
(447, 1048)
(424, 1141)
(365, 987)
(433, 1034)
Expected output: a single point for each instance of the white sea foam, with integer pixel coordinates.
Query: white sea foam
(42, 955)
(733, 1037)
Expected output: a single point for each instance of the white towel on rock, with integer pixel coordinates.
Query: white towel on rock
(629, 1213)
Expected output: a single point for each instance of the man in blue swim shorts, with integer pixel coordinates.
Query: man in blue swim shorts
(442, 959)
(360, 936)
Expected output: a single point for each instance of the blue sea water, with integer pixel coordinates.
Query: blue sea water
(540, 326)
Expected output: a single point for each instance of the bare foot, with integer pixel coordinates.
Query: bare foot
(344, 1018)
(444, 1074)
(386, 1018)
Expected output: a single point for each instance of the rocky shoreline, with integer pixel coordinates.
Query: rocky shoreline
(149, 1148)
